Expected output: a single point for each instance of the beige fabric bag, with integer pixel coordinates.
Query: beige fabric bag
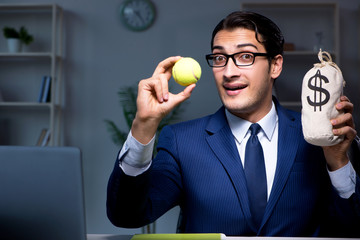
(321, 89)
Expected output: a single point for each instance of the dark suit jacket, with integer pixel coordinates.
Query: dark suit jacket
(198, 167)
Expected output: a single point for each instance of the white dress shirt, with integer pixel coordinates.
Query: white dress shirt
(136, 157)
(268, 137)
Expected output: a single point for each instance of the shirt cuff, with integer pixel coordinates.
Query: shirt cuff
(133, 171)
(344, 180)
(135, 157)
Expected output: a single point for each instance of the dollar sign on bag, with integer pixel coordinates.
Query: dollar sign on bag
(318, 79)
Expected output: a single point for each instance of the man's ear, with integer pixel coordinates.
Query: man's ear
(276, 66)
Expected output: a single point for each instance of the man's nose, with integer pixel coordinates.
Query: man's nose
(231, 68)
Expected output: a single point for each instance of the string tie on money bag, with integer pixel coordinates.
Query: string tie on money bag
(321, 90)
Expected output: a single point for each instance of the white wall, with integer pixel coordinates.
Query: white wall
(101, 56)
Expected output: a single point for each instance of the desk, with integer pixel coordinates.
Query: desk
(128, 237)
(108, 237)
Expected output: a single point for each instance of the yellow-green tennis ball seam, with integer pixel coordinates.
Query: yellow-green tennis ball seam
(186, 71)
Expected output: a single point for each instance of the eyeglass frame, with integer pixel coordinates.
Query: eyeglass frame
(232, 57)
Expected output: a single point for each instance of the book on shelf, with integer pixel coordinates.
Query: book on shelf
(44, 138)
(45, 90)
(42, 86)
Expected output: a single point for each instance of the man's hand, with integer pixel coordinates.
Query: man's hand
(154, 101)
(336, 156)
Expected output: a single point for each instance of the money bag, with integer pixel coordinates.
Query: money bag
(321, 89)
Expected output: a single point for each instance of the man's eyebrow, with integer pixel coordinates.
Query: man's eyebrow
(238, 46)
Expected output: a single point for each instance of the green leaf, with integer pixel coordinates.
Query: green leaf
(117, 136)
(22, 34)
(25, 37)
(10, 32)
(127, 100)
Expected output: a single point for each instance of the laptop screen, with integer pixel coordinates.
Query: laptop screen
(41, 193)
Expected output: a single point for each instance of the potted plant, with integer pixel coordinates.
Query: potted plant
(17, 38)
(127, 97)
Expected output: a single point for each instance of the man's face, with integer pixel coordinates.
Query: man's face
(245, 91)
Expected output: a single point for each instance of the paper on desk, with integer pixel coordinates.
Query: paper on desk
(182, 236)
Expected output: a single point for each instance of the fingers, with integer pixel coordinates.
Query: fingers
(344, 124)
(161, 77)
(345, 105)
(154, 99)
(166, 65)
(347, 131)
(185, 94)
(161, 87)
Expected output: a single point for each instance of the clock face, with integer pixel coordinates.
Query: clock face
(137, 15)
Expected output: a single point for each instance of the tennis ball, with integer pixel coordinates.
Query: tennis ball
(186, 71)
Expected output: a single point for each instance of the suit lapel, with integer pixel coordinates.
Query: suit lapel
(288, 141)
(222, 143)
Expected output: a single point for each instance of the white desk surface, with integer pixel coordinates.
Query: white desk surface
(128, 237)
(108, 237)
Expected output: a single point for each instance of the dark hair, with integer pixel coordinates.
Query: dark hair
(270, 34)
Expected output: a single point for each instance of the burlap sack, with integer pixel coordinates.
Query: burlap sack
(321, 89)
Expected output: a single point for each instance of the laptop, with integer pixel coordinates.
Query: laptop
(41, 193)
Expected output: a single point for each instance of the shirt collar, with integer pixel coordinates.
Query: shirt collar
(239, 126)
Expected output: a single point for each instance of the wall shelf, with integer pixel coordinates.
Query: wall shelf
(320, 19)
(29, 55)
(22, 73)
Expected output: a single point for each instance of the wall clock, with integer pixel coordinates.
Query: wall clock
(137, 15)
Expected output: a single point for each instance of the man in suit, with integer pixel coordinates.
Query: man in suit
(203, 165)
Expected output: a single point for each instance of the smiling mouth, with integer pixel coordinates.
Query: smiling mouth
(234, 88)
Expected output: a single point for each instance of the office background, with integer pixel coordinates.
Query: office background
(101, 56)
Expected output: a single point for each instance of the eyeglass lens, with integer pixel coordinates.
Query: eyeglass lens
(240, 59)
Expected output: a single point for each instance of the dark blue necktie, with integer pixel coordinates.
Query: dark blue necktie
(255, 175)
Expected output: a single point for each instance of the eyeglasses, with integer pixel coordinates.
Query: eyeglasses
(240, 59)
